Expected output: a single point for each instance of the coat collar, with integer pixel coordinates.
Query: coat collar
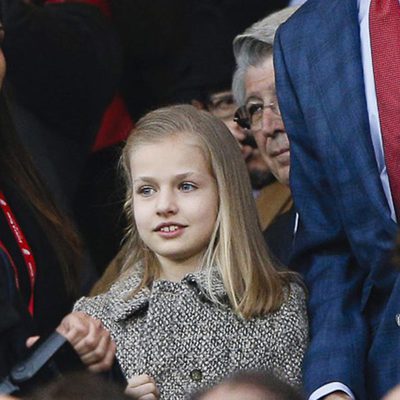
(122, 302)
(207, 284)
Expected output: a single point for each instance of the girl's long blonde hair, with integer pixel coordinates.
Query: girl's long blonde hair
(237, 248)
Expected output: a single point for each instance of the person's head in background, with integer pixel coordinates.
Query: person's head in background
(250, 385)
(254, 90)
(206, 70)
(79, 386)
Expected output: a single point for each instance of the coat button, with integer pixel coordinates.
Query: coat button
(398, 319)
(196, 375)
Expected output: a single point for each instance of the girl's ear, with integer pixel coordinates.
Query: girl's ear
(198, 104)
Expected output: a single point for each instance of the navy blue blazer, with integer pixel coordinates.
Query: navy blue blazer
(345, 234)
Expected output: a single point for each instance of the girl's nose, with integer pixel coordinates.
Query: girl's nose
(166, 203)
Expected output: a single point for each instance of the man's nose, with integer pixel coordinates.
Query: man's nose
(166, 203)
(272, 123)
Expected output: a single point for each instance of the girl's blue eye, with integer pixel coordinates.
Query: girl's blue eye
(146, 191)
(187, 187)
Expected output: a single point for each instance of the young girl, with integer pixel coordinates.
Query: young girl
(199, 297)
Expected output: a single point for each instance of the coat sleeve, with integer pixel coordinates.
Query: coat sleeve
(322, 251)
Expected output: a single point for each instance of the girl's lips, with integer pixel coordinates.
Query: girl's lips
(166, 225)
(171, 231)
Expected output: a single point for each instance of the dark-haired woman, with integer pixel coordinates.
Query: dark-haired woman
(39, 256)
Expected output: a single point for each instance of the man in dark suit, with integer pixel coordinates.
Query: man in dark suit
(344, 196)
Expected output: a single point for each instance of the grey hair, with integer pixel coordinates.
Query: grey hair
(253, 46)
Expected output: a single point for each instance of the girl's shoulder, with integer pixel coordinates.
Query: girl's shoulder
(289, 324)
(295, 295)
(292, 314)
(294, 299)
(293, 310)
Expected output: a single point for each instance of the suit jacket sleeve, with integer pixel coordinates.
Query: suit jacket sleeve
(322, 251)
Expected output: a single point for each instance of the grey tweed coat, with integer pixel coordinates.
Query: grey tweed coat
(175, 333)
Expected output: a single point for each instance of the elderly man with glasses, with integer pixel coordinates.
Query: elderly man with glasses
(254, 89)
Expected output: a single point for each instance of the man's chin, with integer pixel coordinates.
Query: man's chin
(283, 176)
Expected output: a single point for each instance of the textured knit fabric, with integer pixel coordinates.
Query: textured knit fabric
(175, 333)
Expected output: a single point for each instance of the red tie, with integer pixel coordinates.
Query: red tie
(384, 28)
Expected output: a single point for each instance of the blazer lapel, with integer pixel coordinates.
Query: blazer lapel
(336, 59)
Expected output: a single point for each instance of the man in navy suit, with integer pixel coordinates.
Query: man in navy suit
(339, 181)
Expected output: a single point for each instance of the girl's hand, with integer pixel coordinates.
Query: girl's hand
(31, 341)
(89, 339)
(142, 387)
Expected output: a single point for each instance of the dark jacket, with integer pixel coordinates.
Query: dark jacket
(345, 233)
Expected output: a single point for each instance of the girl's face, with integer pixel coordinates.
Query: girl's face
(175, 201)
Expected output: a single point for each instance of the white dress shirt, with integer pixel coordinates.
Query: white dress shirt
(296, 2)
(370, 94)
(376, 136)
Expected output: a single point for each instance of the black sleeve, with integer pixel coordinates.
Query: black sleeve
(15, 322)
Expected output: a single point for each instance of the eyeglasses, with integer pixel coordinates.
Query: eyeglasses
(222, 105)
(250, 116)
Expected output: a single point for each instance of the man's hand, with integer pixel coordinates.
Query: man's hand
(142, 387)
(337, 396)
(89, 339)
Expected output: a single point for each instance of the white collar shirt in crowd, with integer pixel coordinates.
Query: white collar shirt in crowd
(296, 2)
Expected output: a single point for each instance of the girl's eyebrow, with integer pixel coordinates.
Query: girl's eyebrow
(143, 179)
(183, 175)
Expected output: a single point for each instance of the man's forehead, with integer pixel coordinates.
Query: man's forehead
(260, 80)
(261, 92)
